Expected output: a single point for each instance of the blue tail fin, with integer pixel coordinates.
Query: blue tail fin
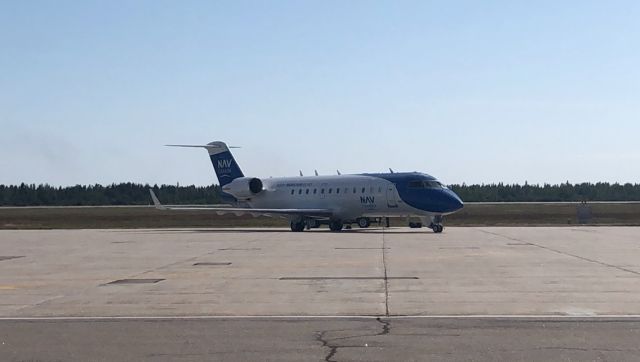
(223, 162)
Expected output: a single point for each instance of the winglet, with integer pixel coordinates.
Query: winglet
(316, 172)
(338, 171)
(156, 202)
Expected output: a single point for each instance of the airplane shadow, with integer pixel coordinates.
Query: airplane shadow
(221, 231)
(267, 230)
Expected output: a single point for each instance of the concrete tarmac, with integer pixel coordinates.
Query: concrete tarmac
(512, 293)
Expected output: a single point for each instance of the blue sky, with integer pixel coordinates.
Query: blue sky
(469, 91)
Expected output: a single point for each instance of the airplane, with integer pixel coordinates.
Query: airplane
(337, 201)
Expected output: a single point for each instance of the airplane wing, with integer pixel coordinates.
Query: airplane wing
(241, 211)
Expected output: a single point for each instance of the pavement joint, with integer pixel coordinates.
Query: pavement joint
(386, 277)
(564, 253)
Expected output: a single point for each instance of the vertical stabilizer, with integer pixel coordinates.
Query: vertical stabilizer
(224, 164)
(222, 160)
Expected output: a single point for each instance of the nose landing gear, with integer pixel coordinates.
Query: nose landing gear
(436, 224)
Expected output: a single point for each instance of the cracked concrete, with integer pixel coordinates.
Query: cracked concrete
(336, 343)
(330, 340)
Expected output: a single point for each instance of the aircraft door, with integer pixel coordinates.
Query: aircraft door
(392, 202)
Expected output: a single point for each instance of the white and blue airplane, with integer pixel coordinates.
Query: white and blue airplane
(340, 200)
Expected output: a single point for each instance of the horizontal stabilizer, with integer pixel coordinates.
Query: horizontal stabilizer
(203, 146)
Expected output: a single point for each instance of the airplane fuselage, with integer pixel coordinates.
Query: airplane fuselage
(354, 196)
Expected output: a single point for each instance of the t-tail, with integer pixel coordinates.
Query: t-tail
(224, 164)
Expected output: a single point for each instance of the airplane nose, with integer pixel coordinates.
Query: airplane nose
(455, 203)
(458, 203)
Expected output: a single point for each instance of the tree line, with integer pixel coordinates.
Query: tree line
(138, 194)
(114, 194)
(601, 191)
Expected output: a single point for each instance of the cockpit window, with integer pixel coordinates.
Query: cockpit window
(421, 184)
(433, 184)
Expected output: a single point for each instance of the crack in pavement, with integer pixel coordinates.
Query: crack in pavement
(333, 348)
(386, 278)
(386, 327)
(320, 337)
(563, 253)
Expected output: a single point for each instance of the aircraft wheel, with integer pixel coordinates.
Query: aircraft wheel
(335, 225)
(438, 228)
(297, 226)
(364, 222)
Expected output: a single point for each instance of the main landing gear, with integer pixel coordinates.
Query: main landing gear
(297, 226)
(335, 225)
(364, 222)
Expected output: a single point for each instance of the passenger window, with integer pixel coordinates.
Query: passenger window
(338, 190)
(292, 191)
(354, 190)
(363, 189)
(379, 190)
(300, 192)
(330, 190)
(307, 192)
(322, 191)
(315, 191)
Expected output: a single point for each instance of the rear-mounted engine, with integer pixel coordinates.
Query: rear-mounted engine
(244, 187)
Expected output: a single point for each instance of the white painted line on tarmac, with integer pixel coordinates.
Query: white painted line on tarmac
(442, 316)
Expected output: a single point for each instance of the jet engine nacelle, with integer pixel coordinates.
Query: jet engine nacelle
(244, 187)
